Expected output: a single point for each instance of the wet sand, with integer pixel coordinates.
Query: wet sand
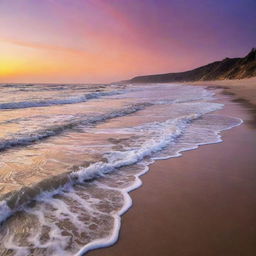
(243, 89)
(203, 203)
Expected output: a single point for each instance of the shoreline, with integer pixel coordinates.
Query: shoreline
(240, 89)
(140, 214)
(243, 91)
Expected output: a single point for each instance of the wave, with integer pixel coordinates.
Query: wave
(160, 136)
(69, 100)
(166, 133)
(30, 138)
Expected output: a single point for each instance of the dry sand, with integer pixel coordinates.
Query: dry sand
(200, 204)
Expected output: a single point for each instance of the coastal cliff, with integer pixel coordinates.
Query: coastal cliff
(228, 68)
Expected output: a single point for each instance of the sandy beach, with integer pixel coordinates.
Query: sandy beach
(243, 89)
(202, 203)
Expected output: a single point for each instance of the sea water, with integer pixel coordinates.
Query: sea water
(71, 153)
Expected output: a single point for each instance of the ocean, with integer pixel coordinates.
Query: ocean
(70, 154)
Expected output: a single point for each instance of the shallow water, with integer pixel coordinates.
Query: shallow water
(71, 153)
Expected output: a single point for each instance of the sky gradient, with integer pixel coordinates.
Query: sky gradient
(95, 41)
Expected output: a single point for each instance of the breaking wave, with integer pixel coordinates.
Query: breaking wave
(24, 139)
(46, 103)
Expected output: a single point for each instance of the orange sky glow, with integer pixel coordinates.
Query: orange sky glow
(98, 41)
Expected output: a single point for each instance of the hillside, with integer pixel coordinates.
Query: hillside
(229, 68)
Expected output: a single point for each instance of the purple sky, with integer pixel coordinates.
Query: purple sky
(105, 40)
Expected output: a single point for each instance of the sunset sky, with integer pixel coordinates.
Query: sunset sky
(110, 40)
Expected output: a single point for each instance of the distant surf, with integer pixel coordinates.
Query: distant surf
(50, 102)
